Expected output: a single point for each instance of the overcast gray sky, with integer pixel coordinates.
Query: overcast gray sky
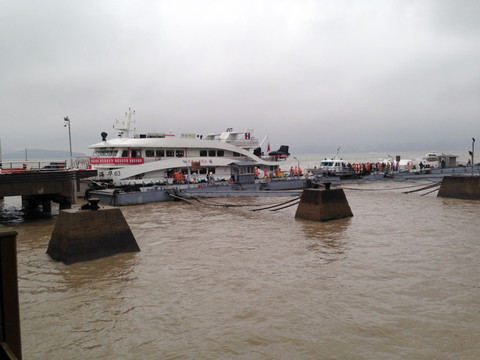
(315, 75)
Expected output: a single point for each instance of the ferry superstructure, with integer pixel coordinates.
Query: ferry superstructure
(153, 157)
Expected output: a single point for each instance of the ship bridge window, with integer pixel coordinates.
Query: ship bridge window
(149, 153)
(220, 153)
(160, 153)
(124, 153)
(170, 153)
(136, 153)
(203, 153)
(106, 152)
(211, 152)
(179, 153)
(236, 154)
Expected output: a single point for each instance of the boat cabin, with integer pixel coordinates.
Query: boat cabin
(332, 167)
(442, 160)
(336, 166)
(447, 161)
(431, 157)
(243, 172)
(242, 139)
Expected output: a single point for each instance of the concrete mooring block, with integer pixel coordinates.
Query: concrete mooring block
(81, 235)
(323, 205)
(460, 187)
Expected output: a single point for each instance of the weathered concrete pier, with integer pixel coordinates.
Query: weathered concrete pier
(82, 235)
(39, 188)
(10, 336)
(323, 205)
(460, 187)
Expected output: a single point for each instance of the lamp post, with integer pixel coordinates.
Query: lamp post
(188, 172)
(67, 121)
(472, 152)
(298, 167)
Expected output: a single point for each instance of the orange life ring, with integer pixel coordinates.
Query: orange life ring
(230, 181)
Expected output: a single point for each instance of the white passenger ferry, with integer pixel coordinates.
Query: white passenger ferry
(163, 157)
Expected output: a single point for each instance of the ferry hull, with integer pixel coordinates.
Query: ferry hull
(292, 187)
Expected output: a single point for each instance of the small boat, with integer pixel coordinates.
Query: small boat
(431, 157)
(332, 168)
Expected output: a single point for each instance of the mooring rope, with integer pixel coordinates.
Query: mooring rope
(217, 204)
(436, 189)
(213, 203)
(424, 188)
(396, 188)
(271, 206)
(180, 198)
(295, 201)
(284, 207)
(277, 205)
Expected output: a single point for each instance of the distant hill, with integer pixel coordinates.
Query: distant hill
(39, 154)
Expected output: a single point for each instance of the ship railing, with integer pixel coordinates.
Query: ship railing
(81, 162)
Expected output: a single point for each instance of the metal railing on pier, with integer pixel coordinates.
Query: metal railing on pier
(18, 166)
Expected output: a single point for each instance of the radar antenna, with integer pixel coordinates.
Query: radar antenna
(124, 126)
(338, 150)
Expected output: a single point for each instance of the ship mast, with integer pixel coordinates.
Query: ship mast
(124, 126)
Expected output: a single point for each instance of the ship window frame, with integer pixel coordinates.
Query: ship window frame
(179, 153)
(136, 153)
(220, 153)
(212, 153)
(170, 153)
(160, 153)
(149, 153)
(203, 153)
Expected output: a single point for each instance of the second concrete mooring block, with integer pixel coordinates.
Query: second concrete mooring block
(323, 205)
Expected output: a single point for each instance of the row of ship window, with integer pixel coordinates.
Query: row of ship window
(162, 153)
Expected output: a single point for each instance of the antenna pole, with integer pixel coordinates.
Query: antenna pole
(338, 150)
